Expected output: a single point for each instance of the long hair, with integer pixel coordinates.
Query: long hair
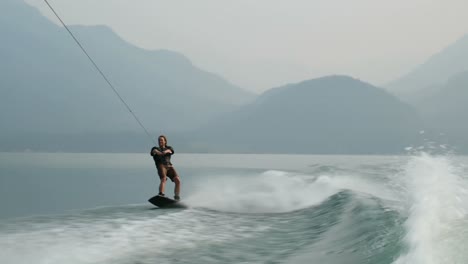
(165, 139)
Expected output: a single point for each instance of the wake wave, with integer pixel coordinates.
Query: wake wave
(277, 191)
(437, 210)
(268, 192)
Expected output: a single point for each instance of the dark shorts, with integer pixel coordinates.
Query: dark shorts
(167, 170)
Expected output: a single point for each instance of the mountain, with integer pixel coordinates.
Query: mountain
(49, 89)
(435, 71)
(438, 89)
(329, 115)
(52, 99)
(446, 110)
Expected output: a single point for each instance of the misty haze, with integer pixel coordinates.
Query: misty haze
(320, 98)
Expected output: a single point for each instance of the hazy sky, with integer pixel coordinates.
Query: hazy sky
(260, 44)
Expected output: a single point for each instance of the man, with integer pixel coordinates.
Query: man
(162, 158)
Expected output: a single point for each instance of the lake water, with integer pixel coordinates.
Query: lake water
(92, 208)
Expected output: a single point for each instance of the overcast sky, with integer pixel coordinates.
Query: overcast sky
(260, 44)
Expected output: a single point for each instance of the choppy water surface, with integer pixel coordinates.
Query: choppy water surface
(81, 208)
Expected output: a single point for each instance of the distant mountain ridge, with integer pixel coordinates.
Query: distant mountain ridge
(51, 99)
(49, 84)
(446, 110)
(329, 115)
(435, 71)
(438, 89)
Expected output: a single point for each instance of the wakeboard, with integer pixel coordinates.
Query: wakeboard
(165, 202)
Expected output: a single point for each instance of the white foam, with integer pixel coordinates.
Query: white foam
(278, 191)
(121, 240)
(437, 207)
(271, 191)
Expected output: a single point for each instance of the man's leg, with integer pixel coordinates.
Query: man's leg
(177, 187)
(162, 176)
(172, 173)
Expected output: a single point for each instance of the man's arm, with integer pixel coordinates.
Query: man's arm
(155, 151)
(168, 151)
